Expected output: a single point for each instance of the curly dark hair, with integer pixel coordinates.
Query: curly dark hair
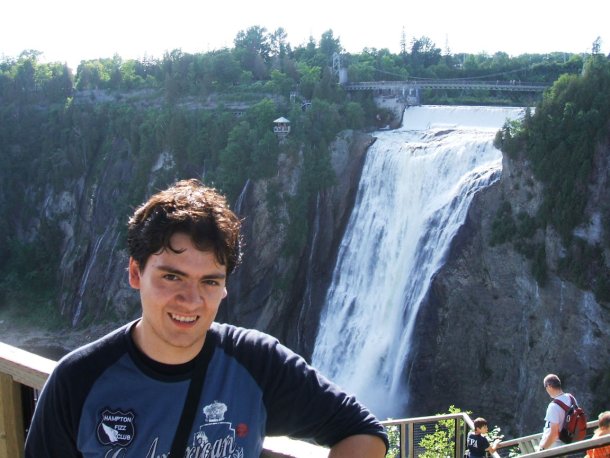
(187, 207)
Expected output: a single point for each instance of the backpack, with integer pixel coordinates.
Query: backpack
(575, 422)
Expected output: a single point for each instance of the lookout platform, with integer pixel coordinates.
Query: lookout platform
(23, 374)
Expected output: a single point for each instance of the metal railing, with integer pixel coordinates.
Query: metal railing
(511, 86)
(412, 431)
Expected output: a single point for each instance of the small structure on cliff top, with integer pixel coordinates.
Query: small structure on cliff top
(281, 127)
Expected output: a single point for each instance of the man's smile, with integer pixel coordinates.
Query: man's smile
(183, 318)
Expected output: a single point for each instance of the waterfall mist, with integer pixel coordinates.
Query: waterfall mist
(414, 193)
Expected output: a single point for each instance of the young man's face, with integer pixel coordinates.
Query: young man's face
(180, 294)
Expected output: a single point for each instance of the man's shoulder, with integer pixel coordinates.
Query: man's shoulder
(565, 398)
(253, 349)
(228, 335)
(96, 353)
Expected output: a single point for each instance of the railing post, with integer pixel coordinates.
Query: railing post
(403, 440)
(12, 436)
(458, 439)
(411, 453)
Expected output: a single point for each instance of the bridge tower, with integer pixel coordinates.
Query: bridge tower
(411, 95)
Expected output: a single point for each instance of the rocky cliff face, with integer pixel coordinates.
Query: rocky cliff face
(283, 294)
(92, 219)
(489, 332)
(273, 290)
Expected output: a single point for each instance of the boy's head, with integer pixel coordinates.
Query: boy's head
(479, 423)
(604, 420)
(191, 208)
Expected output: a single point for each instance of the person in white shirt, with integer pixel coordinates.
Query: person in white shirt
(553, 420)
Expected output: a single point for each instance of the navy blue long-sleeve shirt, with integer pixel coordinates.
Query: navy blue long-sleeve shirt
(108, 399)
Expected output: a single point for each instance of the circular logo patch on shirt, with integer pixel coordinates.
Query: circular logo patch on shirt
(116, 427)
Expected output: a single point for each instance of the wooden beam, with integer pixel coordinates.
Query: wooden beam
(12, 435)
(26, 368)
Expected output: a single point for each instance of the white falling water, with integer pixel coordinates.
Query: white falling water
(416, 186)
(83, 283)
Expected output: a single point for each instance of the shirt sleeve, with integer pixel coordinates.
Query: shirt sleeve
(53, 429)
(301, 402)
(554, 413)
(484, 443)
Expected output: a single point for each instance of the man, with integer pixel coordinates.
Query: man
(553, 420)
(176, 383)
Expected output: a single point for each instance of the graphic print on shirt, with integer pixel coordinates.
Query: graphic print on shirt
(214, 439)
(116, 428)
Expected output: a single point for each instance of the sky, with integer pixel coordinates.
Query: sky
(74, 30)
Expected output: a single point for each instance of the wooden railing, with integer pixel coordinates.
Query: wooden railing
(528, 445)
(21, 373)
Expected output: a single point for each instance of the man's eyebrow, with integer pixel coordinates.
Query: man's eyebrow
(173, 270)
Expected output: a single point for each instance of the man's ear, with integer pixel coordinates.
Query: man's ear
(134, 274)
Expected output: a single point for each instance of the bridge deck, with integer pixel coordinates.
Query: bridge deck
(513, 85)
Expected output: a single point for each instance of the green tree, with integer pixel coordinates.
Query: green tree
(278, 44)
(92, 74)
(441, 442)
(354, 115)
(329, 45)
(253, 50)
(280, 83)
(225, 69)
(309, 77)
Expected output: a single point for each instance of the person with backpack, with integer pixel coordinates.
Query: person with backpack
(555, 413)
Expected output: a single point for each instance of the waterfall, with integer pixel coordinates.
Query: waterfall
(414, 193)
(307, 295)
(85, 277)
(239, 203)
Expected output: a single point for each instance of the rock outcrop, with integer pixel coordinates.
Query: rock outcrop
(489, 332)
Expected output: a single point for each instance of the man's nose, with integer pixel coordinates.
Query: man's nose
(191, 294)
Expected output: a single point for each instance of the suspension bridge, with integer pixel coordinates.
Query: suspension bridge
(410, 90)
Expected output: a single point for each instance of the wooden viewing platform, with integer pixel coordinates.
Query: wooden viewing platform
(23, 374)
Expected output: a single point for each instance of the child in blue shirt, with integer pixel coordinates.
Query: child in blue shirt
(477, 443)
